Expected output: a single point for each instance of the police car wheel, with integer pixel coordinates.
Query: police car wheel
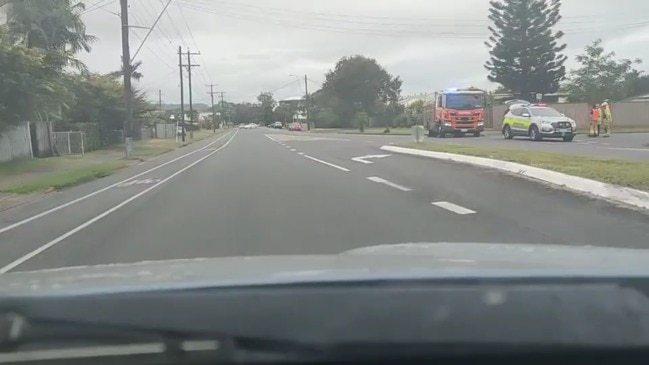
(507, 132)
(534, 133)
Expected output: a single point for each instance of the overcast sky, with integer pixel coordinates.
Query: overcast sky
(249, 46)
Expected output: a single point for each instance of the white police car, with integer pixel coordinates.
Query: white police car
(537, 121)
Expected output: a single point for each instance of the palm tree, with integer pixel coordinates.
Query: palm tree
(135, 74)
(52, 25)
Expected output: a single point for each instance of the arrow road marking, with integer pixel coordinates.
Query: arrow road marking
(388, 183)
(363, 159)
(454, 208)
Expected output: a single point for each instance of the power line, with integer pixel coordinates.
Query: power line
(273, 16)
(151, 29)
(410, 20)
(191, 34)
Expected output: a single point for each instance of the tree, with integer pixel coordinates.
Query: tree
(601, 76)
(268, 104)
(53, 25)
(358, 83)
(135, 73)
(414, 112)
(25, 82)
(525, 52)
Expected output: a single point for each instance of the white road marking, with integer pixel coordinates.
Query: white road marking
(388, 183)
(293, 150)
(285, 146)
(139, 182)
(269, 137)
(326, 163)
(363, 159)
(301, 153)
(62, 237)
(628, 149)
(72, 202)
(454, 208)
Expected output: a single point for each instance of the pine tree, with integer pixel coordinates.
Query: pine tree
(525, 55)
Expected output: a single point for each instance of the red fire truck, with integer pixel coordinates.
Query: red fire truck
(457, 112)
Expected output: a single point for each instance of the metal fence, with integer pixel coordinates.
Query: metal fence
(69, 143)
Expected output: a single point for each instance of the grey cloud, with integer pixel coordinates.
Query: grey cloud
(252, 45)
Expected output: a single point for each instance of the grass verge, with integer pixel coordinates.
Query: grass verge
(632, 174)
(66, 179)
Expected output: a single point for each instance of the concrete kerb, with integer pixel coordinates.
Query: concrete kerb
(616, 193)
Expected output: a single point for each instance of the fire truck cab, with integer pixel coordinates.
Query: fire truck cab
(457, 112)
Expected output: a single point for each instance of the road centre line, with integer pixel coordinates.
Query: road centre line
(80, 227)
(388, 183)
(301, 153)
(326, 163)
(293, 150)
(82, 198)
(454, 208)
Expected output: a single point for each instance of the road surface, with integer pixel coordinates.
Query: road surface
(631, 146)
(265, 192)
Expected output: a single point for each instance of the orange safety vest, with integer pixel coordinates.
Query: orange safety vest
(594, 115)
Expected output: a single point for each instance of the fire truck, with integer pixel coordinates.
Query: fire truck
(457, 112)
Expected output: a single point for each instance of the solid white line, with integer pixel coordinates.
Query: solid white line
(72, 202)
(388, 183)
(53, 242)
(326, 163)
(454, 208)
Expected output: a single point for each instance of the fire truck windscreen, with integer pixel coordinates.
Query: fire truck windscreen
(464, 101)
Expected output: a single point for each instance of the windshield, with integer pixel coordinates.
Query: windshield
(147, 145)
(545, 112)
(464, 101)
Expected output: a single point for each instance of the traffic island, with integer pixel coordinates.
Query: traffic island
(617, 180)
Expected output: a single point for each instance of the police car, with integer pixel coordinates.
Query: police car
(537, 121)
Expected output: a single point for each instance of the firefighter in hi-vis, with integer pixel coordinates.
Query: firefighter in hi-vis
(595, 115)
(607, 118)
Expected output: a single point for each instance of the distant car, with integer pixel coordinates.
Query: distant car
(252, 125)
(295, 127)
(277, 125)
(537, 121)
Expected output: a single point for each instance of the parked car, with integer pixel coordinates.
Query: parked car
(295, 127)
(537, 121)
(277, 125)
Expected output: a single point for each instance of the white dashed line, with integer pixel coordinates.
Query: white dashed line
(301, 153)
(454, 208)
(388, 183)
(293, 150)
(326, 163)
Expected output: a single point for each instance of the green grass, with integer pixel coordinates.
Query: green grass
(28, 165)
(633, 174)
(66, 179)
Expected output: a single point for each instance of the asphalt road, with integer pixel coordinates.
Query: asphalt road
(630, 146)
(265, 192)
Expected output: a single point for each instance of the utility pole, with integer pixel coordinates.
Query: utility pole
(160, 99)
(211, 93)
(182, 92)
(222, 106)
(191, 106)
(306, 103)
(126, 68)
